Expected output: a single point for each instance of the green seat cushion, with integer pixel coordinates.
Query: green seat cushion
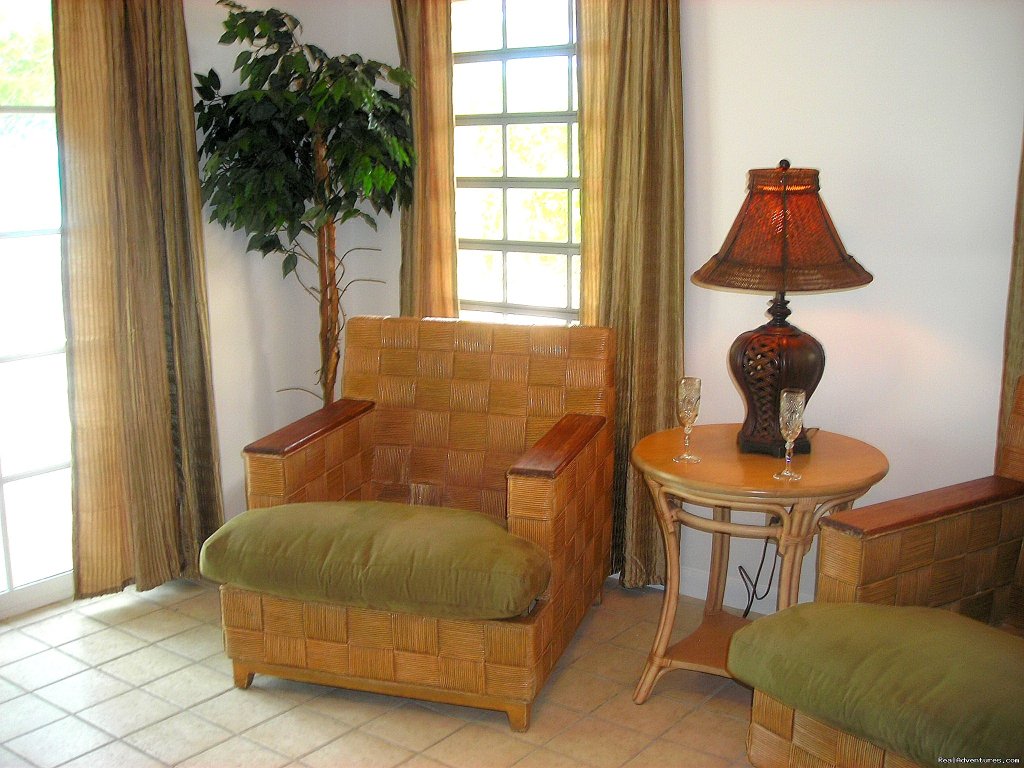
(448, 563)
(923, 682)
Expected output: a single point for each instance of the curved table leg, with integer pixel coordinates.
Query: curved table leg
(796, 539)
(656, 664)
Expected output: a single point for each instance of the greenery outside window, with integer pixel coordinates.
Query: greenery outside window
(517, 197)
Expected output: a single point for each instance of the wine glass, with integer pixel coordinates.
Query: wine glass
(791, 421)
(687, 408)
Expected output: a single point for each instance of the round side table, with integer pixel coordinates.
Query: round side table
(837, 471)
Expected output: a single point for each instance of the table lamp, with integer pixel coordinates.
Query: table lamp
(783, 241)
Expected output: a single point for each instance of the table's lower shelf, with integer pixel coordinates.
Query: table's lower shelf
(706, 649)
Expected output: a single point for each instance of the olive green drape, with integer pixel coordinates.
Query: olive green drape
(632, 247)
(1013, 355)
(146, 484)
(428, 272)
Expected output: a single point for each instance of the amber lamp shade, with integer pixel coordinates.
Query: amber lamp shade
(783, 241)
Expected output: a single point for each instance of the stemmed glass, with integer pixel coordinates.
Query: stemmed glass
(791, 421)
(687, 408)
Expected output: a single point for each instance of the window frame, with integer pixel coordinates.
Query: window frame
(570, 183)
(18, 596)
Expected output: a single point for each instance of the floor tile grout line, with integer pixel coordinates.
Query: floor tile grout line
(134, 687)
(405, 705)
(610, 641)
(57, 647)
(95, 666)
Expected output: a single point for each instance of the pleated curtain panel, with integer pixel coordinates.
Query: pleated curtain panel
(428, 276)
(632, 240)
(1013, 356)
(146, 482)
(631, 127)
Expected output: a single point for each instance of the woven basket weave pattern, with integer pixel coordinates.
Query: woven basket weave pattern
(1011, 449)
(496, 658)
(331, 468)
(456, 404)
(968, 562)
(782, 736)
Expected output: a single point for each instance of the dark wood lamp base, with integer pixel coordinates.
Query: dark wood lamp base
(765, 361)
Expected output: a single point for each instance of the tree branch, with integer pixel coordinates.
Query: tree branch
(301, 389)
(303, 252)
(359, 280)
(313, 292)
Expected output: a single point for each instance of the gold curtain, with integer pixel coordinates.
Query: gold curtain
(1013, 354)
(428, 273)
(631, 125)
(145, 463)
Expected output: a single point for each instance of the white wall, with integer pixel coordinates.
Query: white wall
(911, 109)
(264, 329)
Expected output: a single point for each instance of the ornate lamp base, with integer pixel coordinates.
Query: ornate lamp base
(765, 361)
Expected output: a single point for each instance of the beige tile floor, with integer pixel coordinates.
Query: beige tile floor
(140, 679)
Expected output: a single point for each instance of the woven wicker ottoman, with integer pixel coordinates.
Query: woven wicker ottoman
(856, 684)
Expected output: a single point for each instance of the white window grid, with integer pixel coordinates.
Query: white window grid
(568, 313)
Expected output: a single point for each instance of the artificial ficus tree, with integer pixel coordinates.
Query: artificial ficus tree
(307, 143)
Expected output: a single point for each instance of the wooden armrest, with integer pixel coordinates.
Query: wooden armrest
(957, 547)
(559, 497)
(300, 433)
(553, 452)
(321, 457)
(924, 507)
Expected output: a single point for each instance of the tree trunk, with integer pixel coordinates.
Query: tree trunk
(327, 266)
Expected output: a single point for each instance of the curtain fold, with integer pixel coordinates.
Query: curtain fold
(1013, 350)
(632, 246)
(428, 274)
(146, 479)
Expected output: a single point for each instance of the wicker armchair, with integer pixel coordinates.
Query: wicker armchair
(514, 422)
(958, 548)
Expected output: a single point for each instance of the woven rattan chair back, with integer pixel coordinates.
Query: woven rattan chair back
(1010, 461)
(458, 402)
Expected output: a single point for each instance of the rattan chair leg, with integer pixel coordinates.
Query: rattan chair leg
(243, 677)
(518, 717)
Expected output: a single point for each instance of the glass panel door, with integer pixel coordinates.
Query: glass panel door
(35, 429)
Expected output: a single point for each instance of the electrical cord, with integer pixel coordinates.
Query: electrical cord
(751, 584)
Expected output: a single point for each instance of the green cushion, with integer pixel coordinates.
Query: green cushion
(923, 682)
(448, 563)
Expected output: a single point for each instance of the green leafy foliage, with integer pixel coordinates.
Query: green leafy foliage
(259, 172)
(307, 143)
(26, 64)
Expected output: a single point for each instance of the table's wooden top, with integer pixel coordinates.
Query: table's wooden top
(836, 465)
